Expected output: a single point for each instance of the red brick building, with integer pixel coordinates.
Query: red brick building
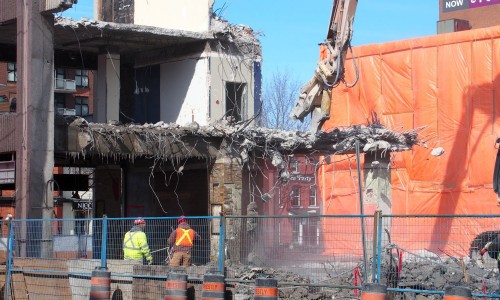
(295, 193)
(73, 95)
(73, 90)
(458, 15)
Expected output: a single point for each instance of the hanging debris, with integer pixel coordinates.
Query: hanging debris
(168, 141)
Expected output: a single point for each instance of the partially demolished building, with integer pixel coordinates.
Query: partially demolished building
(174, 108)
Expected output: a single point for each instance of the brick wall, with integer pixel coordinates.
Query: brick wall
(3, 73)
(479, 17)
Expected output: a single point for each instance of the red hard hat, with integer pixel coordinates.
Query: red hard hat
(139, 221)
(181, 220)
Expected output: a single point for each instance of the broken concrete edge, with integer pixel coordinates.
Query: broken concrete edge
(168, 140)
(220, 29)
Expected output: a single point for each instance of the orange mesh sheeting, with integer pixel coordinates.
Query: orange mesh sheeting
(448, 83)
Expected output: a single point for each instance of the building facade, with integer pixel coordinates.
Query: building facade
(124, 72)
(458, 15)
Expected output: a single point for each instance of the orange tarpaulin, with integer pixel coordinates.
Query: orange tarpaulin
(449, 84)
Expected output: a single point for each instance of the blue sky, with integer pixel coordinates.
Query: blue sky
(292, 29)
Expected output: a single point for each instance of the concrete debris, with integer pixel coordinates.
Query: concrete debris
(102, 26)
(377, 145)
(433, 274)
(172, 141)
(234, 33)
(437, 151)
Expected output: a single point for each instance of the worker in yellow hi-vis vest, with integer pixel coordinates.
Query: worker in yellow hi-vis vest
(182, 240)
(135, 243)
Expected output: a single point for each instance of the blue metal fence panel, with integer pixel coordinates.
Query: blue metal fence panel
(53, 258)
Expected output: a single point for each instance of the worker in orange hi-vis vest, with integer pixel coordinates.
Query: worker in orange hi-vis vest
(182, 240)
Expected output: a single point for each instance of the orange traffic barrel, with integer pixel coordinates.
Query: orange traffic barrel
(213, 287)
(176, 286)
(457, 293)
(100, 285)
(266, 289)
(373, 291)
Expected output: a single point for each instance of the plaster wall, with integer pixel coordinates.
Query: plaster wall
(184, 87)
(107, 88)
(190, 15)
(230, 69)
(113, 87)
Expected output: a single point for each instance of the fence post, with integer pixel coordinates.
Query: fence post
(222, 243)
(104, 242)
(380, 225)
(8, 273)
(375, 245)
(362, 212)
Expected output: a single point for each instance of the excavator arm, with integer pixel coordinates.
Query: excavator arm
(315, 95)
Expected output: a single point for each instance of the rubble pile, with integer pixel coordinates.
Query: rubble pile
(301, 289)
(432, 274)
(244, 36)
(437, 273)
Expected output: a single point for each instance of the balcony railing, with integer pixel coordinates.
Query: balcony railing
(62, 85)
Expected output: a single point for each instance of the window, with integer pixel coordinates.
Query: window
(82, 106)
(294, 166)
(11, 72)
(235, 94)
(59, 78)
(312, 196)
(59, 101)
(82, 78)
(295, 196)
(280, 201)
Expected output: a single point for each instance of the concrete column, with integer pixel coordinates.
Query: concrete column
(107, 88)
(377, 190)
(35, 125)
(226, 192)
(377, 178)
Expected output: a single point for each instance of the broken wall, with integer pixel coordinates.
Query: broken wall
(226, 69)
(227, 198)
(184, 89)
(173, 14)
(451, 85)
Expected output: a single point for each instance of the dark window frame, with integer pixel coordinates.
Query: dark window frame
(295, 196)
(81, 102)
(82, 78)
(313, 194)
(11, 72)
(294, 166)
(59, 101)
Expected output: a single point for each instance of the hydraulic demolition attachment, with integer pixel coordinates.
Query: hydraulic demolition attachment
(315, 95)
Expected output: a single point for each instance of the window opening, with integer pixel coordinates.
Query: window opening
(11, 72)
(295, 195)
(234, 100)
(82, 106)
(82, 78)
(312, 196)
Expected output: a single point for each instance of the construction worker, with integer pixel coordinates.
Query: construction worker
(135, 243)
(182, 240)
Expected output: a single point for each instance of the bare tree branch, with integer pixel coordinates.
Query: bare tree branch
(279, 96)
